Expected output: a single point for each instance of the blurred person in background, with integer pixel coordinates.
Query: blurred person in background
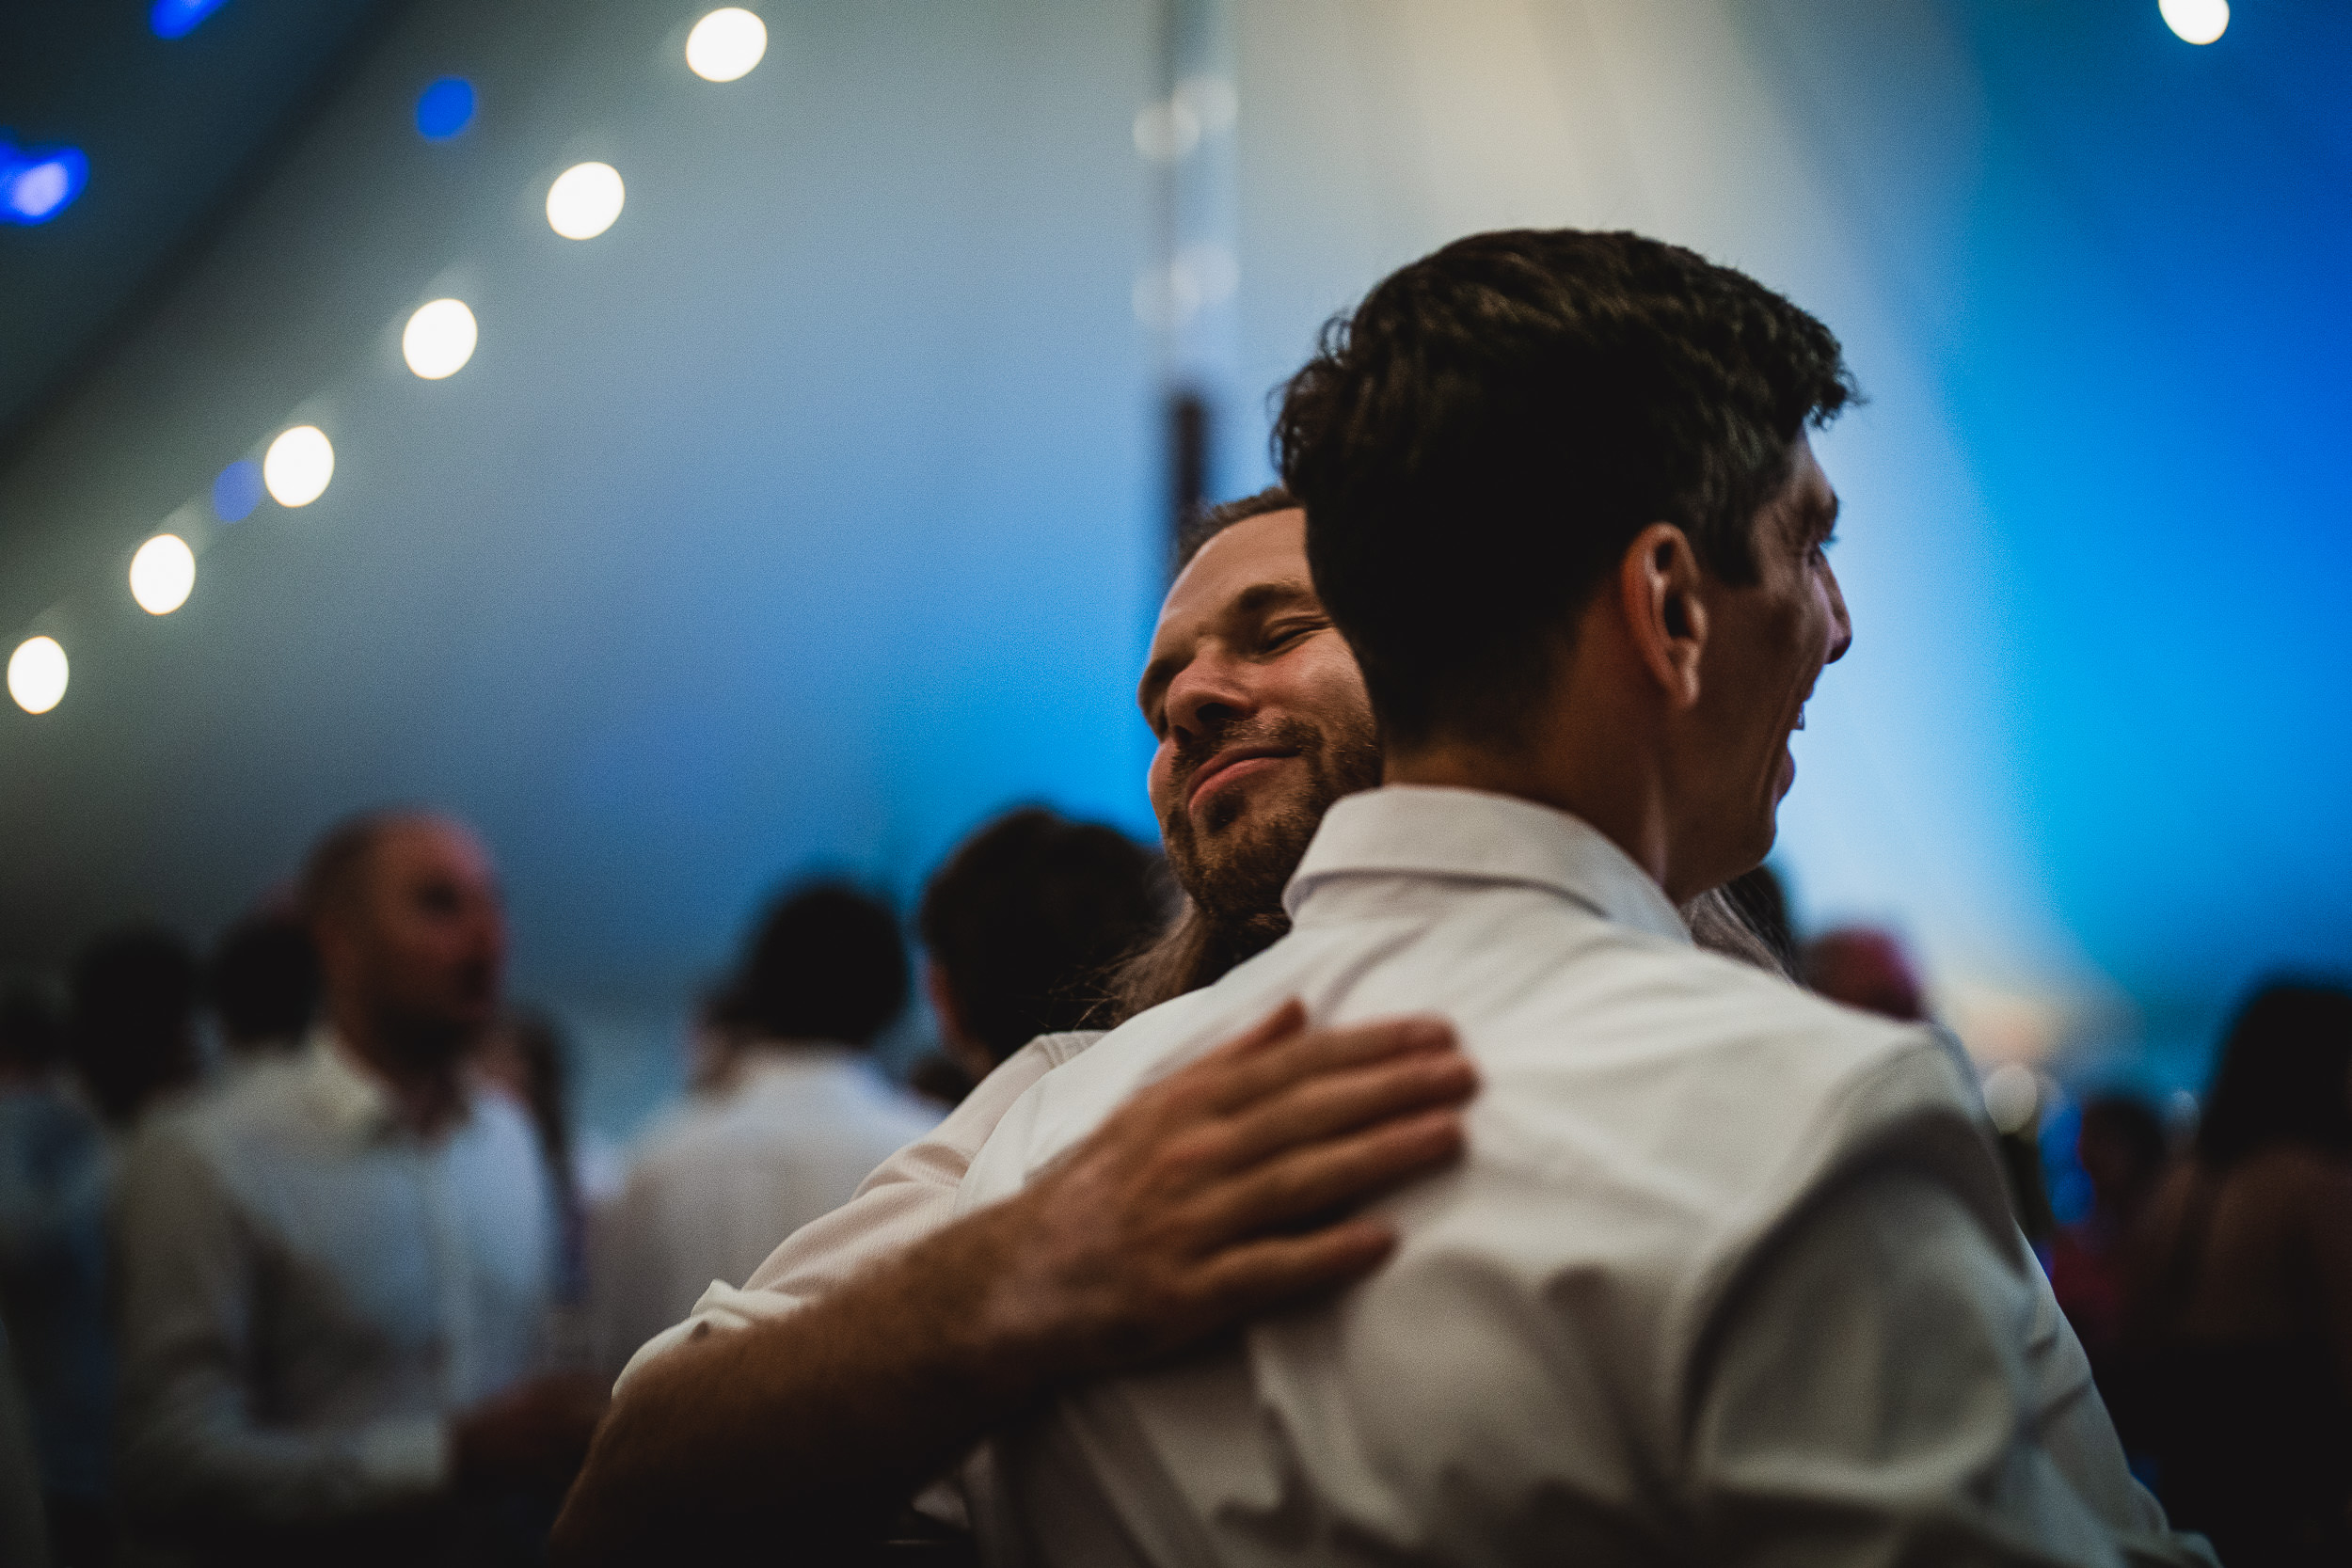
(263, 985)
(2238, 1315)
(877, 1344)
(23, 1528)
(53, 1184)
(334, 1273)
(525, 1057)
(2121, 1148)
(1022, 925)
(798, 1116)
(132, 1025)
(1865, 966)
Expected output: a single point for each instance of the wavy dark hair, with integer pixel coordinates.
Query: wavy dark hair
(1479, 442)
(2285, 1075)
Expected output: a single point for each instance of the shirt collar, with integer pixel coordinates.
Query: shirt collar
(1421, 831)
(351, 1097)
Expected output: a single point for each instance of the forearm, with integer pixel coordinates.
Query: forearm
(815, 1426)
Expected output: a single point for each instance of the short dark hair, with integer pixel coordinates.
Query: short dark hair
(1478, 444)
(1210, 521)
(1027, 917)
(133, 1019)
(826, 962)
(2283, 1075)
(264, 978)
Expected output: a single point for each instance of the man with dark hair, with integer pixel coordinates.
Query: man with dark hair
(1023, 923)
(264, 984)
(1727, 1273)
(796, 1120)
(335, 1270)
(878, 1342)
(132, 1029)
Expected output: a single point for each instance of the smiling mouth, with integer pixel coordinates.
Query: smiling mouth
(1224, 767)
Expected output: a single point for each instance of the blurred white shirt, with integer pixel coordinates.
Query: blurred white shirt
(907, 1197)
(310, 1292)
(1727, 1275)
(720, 1184)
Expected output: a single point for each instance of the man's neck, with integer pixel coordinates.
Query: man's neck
(423, 1083)
(1625, 804)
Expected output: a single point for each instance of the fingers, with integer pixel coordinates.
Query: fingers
(1250, 1281)
(1322, 1176)
(1341, 1101)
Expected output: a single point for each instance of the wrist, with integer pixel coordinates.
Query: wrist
(1013, 1337)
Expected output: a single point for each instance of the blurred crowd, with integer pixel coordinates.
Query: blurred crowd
(299, 1257)
(232, 1188)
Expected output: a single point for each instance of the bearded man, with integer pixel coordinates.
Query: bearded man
(880, 1341)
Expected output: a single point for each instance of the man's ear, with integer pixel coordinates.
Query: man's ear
(1665, 619)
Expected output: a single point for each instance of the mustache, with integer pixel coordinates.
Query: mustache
(1290, 734)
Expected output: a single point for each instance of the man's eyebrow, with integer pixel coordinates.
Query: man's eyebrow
(1261, 597)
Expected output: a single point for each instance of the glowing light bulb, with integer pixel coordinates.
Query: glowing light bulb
(36, 674)
(439, 339)
(163, 574)
(726, 44)
(298, 465)
(584, 200)
(2196, 21)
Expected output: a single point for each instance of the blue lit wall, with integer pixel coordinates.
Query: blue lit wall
(2093, 746)
(811, 513)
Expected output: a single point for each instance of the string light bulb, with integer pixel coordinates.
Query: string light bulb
(37, 674)
(163, 574)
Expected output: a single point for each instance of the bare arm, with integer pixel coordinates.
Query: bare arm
(1179, 1217)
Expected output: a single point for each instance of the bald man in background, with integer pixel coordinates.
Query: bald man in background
(335, 1272)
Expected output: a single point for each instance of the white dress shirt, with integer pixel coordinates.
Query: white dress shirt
(310, 1290)
(907, 1197)
(723, 1180)
(1726, 1274)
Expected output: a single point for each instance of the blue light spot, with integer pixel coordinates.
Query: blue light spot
(177, 19)
(38, 184)
(237, 491)
(445, 108)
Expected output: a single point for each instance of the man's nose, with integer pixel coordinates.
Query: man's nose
(1204, 696)
(1841, 623)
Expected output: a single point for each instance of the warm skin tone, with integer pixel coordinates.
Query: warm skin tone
(1667, 726)
(412, 956)
(1260, 716)
(1181, 1216)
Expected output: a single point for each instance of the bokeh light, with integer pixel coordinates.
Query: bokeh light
(2011, 1096)
(584, 200)
(37, 674)
(36, 186)
(177, 19)
(2196, 21)
(237, 491)
(163, 574)
(726, 44)
(445, 108)
(439, 339)
(298, 465)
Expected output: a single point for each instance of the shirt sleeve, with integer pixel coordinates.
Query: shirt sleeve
(907, 1197)
(1895, 1386)
(189, 1445)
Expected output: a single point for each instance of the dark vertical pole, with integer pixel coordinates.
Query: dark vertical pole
(1189, 419)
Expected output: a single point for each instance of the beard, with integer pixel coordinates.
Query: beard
(1234, 862)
